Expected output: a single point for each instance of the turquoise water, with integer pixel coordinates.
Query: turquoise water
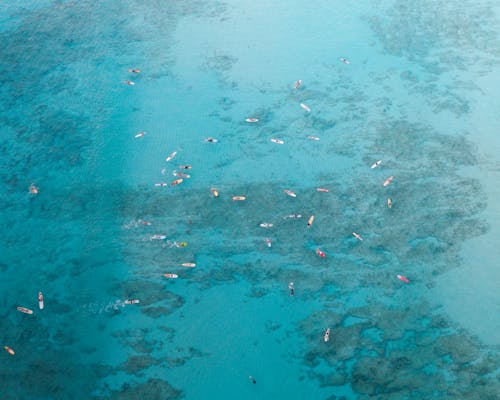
(419, 93)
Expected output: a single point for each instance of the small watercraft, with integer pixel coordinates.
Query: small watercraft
(326, 337)
(9, 350)
(290, 193)
(171, 156)
(266, 225)
(323, 190)
(211, 140)
(140, 134)
(310, 137)
(239, 198)
(214, 192)
(185, 167)
(310, 221)
(376, 164)
(403, 278)
(320, 253)
(176, 182)
(345, 60)
(389, 202)
(161, 184)
(293, 216)
(251, 120)
(171, 276)
(277, 141)
(134, 71)
(181, 175)
(268, 242)
(357, 236)
(40, 301)
(129, 83)
(158, 237)
(188, 265)
(131, 301)
(291, 288)
(25, 310)
(297, 84)
(388, 180)
(305, 107)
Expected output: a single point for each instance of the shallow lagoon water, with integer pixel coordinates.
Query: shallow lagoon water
(417, 94)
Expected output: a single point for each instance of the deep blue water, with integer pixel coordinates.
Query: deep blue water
(419, 93)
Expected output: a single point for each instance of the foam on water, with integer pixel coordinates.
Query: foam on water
(418, 94)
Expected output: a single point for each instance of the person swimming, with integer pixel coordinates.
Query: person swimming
(134, 71)
(33, 189)
(291, 288)
(252, 379)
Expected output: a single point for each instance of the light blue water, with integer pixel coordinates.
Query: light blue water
(419, 93)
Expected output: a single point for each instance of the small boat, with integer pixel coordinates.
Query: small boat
(345, 60)
(357, 236)
(268, 242)
(251, 120)
(40, 300)
(277, 141)
(290, 193)
(323, 190)
(161, 184)
(214, 192)
(326, 337)
(389, 202)
(171, 276)
(239, 198)
(320, 253)
(376, 164)
(142, 222)
(171, 156)
(185, 167)
(127, 82)
(131, 301)
(9, 350)
(188, 265)
(25, 310)
(176, 182)
(291, 288)
(403, 278)
(134, 71)
(211, 140)
(310, 221)
(310, 137)
(388, 180)
(140, 134)
(297, 84)
(266, 225)
(305, 107)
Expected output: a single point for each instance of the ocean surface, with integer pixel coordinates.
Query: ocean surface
(413, 84)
